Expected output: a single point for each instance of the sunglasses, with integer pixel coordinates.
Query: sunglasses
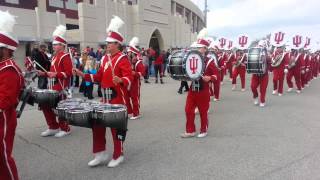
(111, 42)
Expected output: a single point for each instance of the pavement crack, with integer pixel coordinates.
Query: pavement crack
(39, 146)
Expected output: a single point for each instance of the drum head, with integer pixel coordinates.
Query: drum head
(194, 64)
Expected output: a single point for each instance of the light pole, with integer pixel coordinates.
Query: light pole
(205, 11)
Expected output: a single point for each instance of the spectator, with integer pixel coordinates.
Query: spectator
(166, 60)
(158, 66)
(83, 60)
(152, 56)
(77, 64)
(39, 55)
(89, 69)
(184, 84)
(99, 54)
(145, 60)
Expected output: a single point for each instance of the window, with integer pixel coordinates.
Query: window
(56, 3)
(12, 1)
(72, 4)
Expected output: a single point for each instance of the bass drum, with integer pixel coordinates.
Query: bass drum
(257, 60)
(186, 65)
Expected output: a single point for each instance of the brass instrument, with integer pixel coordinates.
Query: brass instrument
(277, 60)
(239, 61)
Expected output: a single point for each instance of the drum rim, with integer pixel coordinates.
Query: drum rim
(46, 91)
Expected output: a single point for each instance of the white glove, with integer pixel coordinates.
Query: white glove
(307, 69)
(286, 71)
(302, 72)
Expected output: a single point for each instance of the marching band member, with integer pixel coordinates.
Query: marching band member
(198, 95)
(317, 63)
(115, 75)
(261, 81)
(303, 68)
(239, 69)
(214, 86)
(231, 57)
(239, 65)
(222, 58)
(60, 72)
(138, 71)
(278, 61)
(11, 84)
(293, 67)
(308, 61)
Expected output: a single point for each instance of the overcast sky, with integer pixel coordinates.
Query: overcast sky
(229, 18)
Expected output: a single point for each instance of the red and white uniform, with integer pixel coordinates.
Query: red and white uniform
(295, 71)
(308, 68)
(278, 72)
(316, 59)
(11, 83)
(262, 81)
(240, 70)
(61, 64)
(28, 64)
(222, 60)
(138, 72)
(216, 84)
(304, 63)
(231, 57)
(120, 66)
(200, 99)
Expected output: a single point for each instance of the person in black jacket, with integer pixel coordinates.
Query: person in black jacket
(39, 55)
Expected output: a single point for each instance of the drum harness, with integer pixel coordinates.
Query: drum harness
(109, 93)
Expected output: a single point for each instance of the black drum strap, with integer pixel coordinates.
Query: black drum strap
(196, 85)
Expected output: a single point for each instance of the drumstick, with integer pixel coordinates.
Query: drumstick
(40, 66)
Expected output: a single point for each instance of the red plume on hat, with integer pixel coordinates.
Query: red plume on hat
(113, 34)
(7, 22)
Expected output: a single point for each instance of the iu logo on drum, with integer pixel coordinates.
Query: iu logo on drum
(193, 64)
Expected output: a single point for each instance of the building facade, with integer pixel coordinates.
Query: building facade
(158, 24)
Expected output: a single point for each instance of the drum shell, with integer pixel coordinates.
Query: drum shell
(175, 67)
(48, 98)
(257, 63)
(115, 117)
(78, 118)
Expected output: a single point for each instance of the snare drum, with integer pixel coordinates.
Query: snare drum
(186, 65)
(47, 97)
(111, 115)
(66, 104)
(79, 116)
